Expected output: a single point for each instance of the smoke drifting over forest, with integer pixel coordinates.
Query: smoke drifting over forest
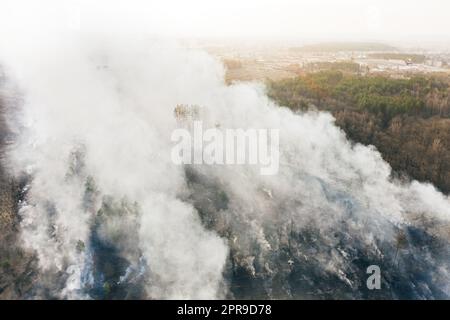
(91, 117)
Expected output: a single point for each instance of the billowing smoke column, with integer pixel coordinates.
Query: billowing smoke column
(95, 133)
(109, 214)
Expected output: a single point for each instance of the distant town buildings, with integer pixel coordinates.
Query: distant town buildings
(281, 62)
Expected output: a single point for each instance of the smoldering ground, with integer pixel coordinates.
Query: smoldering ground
(108, 214)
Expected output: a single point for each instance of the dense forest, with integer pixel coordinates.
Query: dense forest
(408, 120)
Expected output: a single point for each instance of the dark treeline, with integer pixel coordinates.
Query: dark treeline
(414, 58)
(408, 120)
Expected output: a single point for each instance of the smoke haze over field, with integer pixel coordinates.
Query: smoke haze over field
(92, 135)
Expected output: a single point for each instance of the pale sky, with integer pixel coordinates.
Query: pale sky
(364, 19)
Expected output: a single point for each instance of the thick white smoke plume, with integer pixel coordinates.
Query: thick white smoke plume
(104, 111)
(92, 134)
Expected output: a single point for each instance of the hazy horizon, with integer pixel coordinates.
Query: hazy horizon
(409, 22)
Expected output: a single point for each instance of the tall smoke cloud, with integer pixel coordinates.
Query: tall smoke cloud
(92, 124)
